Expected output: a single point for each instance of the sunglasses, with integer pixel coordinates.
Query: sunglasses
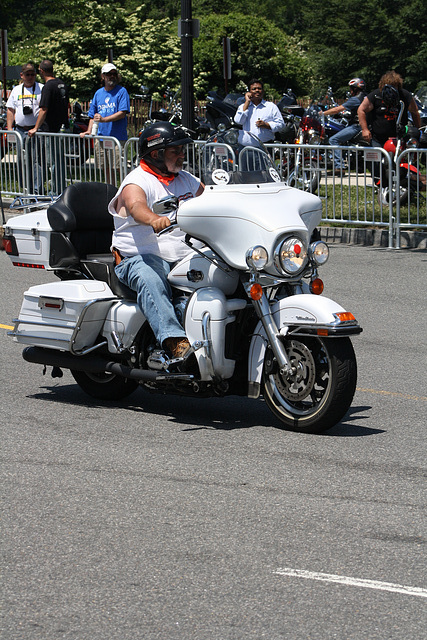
(29, 73)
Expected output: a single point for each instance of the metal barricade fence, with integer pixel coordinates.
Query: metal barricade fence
(363, 194)
(12, 165)
(47, 163)
(410, 191)
(351, 195)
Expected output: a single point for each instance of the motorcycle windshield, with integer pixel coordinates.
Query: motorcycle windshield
(236, 157)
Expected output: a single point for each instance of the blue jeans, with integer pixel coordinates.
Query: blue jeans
(147, 275)
(341, 138)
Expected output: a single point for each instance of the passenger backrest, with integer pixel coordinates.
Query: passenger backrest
(82, 212)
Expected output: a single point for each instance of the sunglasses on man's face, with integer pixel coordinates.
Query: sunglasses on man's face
(30, 73)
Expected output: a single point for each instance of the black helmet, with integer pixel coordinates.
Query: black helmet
(390, 95)
(161, 135)
(357, 83)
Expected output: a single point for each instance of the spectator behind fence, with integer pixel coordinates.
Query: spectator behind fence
(258, 116)
(53, 114)
(22, 110)
(379, 111)
(108, 111)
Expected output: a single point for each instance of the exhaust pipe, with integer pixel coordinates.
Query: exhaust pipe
(95, 364)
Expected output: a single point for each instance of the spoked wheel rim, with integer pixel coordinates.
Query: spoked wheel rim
(303, 392)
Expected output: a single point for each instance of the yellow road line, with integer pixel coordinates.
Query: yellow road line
(5, 326)
(395, 394)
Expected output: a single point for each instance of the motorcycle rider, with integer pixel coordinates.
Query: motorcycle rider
(379, 110)
(144, 260)
(357, 90)
(258, 116)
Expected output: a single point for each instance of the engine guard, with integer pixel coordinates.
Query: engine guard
(300, 315)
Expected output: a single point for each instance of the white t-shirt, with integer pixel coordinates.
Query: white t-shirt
(131, 237)
(22, 96)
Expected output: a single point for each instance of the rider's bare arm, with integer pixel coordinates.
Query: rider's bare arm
(132, 201)
(362, 112)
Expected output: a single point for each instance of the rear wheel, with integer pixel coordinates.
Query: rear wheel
(320, 391)
(104, 386)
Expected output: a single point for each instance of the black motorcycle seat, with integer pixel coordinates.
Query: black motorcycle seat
(101, 268)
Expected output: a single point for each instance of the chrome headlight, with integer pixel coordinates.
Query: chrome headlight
(256, 258)
(291, 256)
(319, 252)
(231, 137)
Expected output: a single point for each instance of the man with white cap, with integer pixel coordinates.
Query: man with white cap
(109, 108)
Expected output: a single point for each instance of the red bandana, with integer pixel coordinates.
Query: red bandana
(163, 179)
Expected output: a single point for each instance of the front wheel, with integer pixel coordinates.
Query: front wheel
(104, 386)
(306, 177)
(385, 193)
(320, 391)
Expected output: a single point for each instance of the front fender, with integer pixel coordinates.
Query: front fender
(299, 315)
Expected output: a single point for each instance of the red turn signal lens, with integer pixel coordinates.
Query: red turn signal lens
(7, 245)
(345, 316)
(256, 292)
(316, 286)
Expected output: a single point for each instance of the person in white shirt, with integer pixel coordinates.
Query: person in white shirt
(23, 106)
(258, 116)
(143, 259)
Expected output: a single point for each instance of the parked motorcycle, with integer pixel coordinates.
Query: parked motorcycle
(220, 111)
(246, 295)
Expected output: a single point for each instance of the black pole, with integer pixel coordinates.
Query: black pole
(187, 87)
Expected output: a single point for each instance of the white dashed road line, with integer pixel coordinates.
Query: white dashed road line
(352, 582)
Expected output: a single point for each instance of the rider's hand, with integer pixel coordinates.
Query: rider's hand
(366, 135)
(160, 223)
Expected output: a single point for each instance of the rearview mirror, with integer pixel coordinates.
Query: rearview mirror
(165, 205)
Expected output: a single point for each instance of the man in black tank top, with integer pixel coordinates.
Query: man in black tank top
(379, 111)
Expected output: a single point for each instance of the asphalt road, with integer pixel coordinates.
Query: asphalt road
(162, 518)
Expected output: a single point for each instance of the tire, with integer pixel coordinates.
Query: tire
(384, 196)
(307, 178)
(321, 392)
(104, 386)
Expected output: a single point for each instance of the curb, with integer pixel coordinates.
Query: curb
(373, 237)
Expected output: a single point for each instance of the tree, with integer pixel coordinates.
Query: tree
(366, 39)
(258, 49)
(144, 50)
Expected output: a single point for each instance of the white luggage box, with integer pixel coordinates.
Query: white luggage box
(63, 315)
(32, 233)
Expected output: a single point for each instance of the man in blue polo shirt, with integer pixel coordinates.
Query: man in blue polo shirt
(108, 111)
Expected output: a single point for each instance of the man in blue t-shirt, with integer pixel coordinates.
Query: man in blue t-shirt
(108, 117)
(110, 106)
(357, 90)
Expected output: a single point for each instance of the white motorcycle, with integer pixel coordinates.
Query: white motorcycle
(247, 295)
